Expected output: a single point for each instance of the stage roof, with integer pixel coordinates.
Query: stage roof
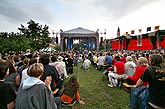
(79, 30)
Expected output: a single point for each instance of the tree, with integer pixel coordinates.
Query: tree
(101, 47)
(37, 34)
(13, 42)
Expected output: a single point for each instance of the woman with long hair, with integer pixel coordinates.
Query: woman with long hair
(155, 76)
(7, 95)
(71, 91)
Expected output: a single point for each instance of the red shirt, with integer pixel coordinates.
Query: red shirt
(138, 73)
(69, 99)
(123, 59)
(120, 67)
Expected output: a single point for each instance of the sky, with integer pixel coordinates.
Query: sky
(105, 15)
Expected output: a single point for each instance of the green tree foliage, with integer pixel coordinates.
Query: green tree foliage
(37, 34)
(13, 42)
(34, 36)
(57, 47)
(101, 47)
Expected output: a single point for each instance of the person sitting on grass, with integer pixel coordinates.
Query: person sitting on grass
(71, 93)
(101, 61)
(86, 64)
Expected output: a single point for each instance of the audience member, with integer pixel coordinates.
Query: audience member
(50, 71)
(7, 95)
(86, 64)
(20, 69)
(155, 76)
(71, 91)
(117, 74)
(69, 64)
(142, 65)
(34, 93)
(108, 60)
(129, 66)
(101, 61)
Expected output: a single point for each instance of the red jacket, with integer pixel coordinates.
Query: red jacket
(138, 73)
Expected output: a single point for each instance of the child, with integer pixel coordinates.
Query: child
(71, 91)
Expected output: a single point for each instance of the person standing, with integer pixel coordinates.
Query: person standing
(70, 65)
(34, 93)
(7, 95)
(50, 71)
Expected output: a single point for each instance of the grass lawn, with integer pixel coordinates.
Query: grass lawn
(96, 93)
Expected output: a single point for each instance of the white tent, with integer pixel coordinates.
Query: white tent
(48, 49)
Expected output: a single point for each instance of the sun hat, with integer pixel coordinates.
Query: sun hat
(60, 58)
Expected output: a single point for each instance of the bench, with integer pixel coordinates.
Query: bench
(120, 82)
(127, 87)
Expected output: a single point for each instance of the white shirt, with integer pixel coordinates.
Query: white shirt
(24, 75)
(101, 60)
(87, 63)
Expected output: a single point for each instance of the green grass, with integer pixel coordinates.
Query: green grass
(96, 93)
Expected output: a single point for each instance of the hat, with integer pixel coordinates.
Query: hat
(60, 58)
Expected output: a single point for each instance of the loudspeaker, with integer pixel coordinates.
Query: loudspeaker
(56, 40)
(101, 39)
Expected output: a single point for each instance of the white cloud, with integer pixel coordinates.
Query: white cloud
(89, 14)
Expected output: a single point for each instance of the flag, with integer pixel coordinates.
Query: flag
(118, 32)
(148, 28)
(156, 27)
(140, 30)
(56, 40)
(132, 31)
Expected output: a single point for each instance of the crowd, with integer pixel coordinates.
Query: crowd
(142, 71)
(34, 80)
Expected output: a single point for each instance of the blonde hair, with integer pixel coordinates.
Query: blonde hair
(36, 70)
(26, 61)
(142, 61)
(28, 51)
(129, 58)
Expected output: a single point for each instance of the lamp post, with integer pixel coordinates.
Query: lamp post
(53, 39)
(105, 40)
